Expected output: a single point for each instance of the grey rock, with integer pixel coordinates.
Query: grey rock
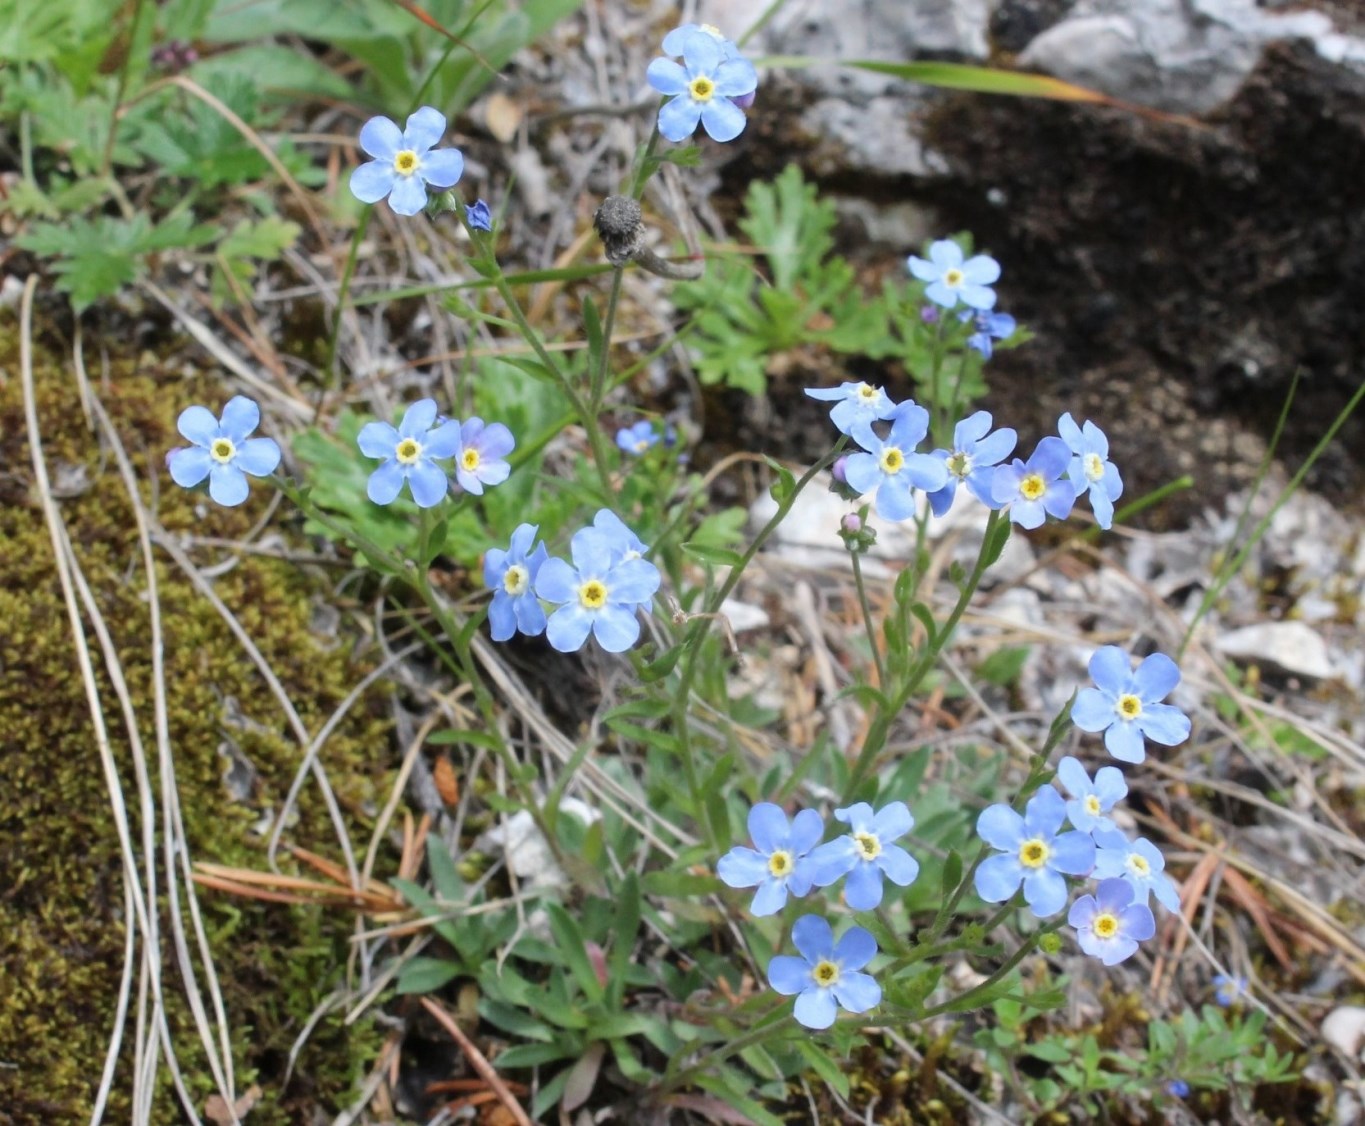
(1291, 647)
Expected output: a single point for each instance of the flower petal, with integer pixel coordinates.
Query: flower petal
(385, 483)
(1164, 724)
(981, 269)
(227, 485)
(1093, 710)
(945, 254)
(189, 466)
(443, 168)
(1044, 813)
(377, 439)
(864, 888)
(258, 456)
(616, 628)
(1155, 679)
(568, 627)
(832, 861)
(197, 425)
(858, 992)
(443, 441)
(892, 821)
(807, 829)
(997, 877)
(788, 975)
(811, 935)
(381, 138)
(556, 581)
(667, 77)
(240, 417)
(678, 119)
(1124, 741)
(898, 866)
(373, 181)
(815, 1008)
(1073, 853)
(1001, 827)
(502, 617)
(428, 484)
(1110, 669)
(409, 195)
(722, 119)
(1044, 892)
(770, 898)
(855, 949)
(424, 129)
(417, 419)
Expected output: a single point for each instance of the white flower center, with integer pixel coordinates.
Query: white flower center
(1093, 465)
(517, 579)
(222, 450)
(406, 162)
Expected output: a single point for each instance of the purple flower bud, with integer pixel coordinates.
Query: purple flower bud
(837, 470)
(851, 523)
(929, 314)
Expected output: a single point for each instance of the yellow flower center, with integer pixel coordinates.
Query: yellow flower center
(641, 444)
(892, 460)
(711, 30)
(869, 847)
(826, 973)
(222, 450)
(1033, 854)
(1105, 925)
(866, 392)
(953, 278)
(1032, 486)
(780, 863)
(959, 464)
(1092, 805)
(1129, 706)
(408, 451)
(405, 163)
(702, 89)
(517, 579)
(592, 595)
(1138, 865)
(470, 458)
(1093, 465)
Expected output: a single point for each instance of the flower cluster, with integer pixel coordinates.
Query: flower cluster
(600, 593)
(1034, 853)
(711, 86)
(409, 452)
(788, 859)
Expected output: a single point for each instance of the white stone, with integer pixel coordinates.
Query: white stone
(1292, 647)
(528, 854)
(1344, 1029)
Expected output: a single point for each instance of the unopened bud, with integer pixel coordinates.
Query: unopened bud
(852, 523)
(839, 470)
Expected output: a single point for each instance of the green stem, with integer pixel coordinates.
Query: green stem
(760, 1032)
(1026, 947)
(107, 159)
(868, 623)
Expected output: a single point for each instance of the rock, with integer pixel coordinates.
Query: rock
(1186, 56)
(528, 855)
(1344, 1029)
(1291, 647)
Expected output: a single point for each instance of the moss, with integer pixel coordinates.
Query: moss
(61, 900)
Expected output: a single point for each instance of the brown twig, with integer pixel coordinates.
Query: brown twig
(478, 1061)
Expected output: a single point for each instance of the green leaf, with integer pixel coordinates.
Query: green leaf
(449, 886)
(426, 975)
(573, 949)
(716, 556)
(785, 485)
(534, 1055)
(429, 910)
(952, 872)
(820, 1063)
(992, 548)
(679, 885)
(627, 922)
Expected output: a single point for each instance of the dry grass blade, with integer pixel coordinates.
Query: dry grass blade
(478, 1061)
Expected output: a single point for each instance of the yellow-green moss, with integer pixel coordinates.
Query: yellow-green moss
(61, 900)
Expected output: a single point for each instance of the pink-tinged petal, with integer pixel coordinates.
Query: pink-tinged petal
(373, 181)
(667, 77)
(197, 425)
(443, 168)
(409, 195)
(424, 129)
(381, 138)
(240, 417)
(1083, 912)
(1156, 678)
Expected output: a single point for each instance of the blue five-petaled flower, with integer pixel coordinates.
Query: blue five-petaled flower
(865, 853)
(854, 403)
(404, 163)
(779, 864)
(1125, 704)
(951, 279)
(702, 89)
(511, 575)
(637, 439)
(890, 465)
(408, 452)
(482, 457)
(1090, 801)
(1109, 925)
(972, 460)
(1091, 471)
(222, 451)
(598, 594)
(1138, 862)
(1032, 853)
(826, 976)
(1036, 489)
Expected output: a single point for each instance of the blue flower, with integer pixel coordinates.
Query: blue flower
(676, 40)
(625, 544)
(408, 453)
(891, 466)
(1138, 862)
(702, 89)
(599, 594)
(511, 575)
(1036, 489)
(635, 440)
(478, 216)
(1032, 853)
(972, 459)
(865, 854)
(1091, 471)
(826, 975)
(1228, 989)
(854, 403)
(1179, 1088)
(1124, 704)
(1090, 801)
(1109, 925)
(779, 864)
(481, 458)
(404, 164)
(989, 327)
(951, 279)
(222, 452)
